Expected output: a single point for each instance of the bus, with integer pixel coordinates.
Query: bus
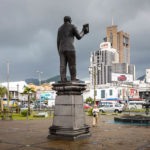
(135, 104)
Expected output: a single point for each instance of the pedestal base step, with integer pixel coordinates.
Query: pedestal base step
(68, 133)
(69, 138)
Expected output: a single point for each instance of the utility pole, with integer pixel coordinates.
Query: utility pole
(94, 75)
(92, 71)
(39, 74)
(18, 92)
(8, 85)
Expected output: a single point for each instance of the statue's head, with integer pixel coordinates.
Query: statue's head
(67, 19)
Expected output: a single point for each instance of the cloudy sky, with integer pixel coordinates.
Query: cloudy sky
(28, 31)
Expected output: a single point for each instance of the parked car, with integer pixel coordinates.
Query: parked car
(38, 106)
(107, 102)
(116, 108)
(87, 106)
(24, 108)
(32, 106)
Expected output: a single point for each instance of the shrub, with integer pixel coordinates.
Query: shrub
(5, 109)
(89, 100)
(24, 113)
(90, 112)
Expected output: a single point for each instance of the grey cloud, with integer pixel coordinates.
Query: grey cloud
(28, 31)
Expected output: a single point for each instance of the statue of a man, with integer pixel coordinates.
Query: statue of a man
(66, 49)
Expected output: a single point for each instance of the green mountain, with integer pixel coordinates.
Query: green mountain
(34, 81)
(142, 77)
(53, 79)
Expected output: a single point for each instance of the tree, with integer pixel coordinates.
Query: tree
(29, 92)
(89, 100)
(3, 92)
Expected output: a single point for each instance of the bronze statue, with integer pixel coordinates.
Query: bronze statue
(66, 49)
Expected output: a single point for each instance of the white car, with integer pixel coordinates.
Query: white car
(116, 108)
(24, 108)
(32, 106)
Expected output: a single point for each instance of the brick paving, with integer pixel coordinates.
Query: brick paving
(32, 135)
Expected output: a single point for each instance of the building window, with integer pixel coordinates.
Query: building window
(110, 92)
(102, 93)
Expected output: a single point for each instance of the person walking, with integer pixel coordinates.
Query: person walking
(95, 112)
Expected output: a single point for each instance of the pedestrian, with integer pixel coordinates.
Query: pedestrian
(95, 112)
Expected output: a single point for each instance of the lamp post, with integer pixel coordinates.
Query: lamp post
(39, 75)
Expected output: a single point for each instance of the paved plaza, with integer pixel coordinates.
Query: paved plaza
(32, 135)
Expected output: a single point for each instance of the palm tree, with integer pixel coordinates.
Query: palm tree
(89, 100)
(28, 91)
(3, 92)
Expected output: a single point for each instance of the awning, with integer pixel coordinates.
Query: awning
(135, 99)
(40, 100)
(112, 99)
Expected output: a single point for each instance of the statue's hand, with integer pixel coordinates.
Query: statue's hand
(85, 28)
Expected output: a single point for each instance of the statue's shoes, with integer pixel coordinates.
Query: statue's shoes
(75, 80)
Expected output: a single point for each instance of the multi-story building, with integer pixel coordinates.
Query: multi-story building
(101, 63)
(104, 65)
(16, 92)
(119, 41)
(123, 68)
(112, 61)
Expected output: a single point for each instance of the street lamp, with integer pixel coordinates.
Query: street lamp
(39, 74)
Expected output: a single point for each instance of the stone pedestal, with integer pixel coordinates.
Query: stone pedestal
(69, 116)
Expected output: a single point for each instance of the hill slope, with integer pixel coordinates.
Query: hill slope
(52, 79)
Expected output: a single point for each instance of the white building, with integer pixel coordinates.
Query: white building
(113, 91)
(101, 64)
(104, 63)
(16, 89)
(147, 75)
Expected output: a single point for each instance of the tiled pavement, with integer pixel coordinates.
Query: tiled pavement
(32, 135)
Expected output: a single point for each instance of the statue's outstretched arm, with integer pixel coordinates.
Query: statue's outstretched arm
(77, 34)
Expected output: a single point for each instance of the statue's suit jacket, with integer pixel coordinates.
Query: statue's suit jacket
(65, 37)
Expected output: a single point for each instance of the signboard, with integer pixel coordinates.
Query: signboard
(105, 45)
(45, 95)
(122, 77)
(133, 92)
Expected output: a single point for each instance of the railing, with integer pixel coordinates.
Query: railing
(8, 115)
